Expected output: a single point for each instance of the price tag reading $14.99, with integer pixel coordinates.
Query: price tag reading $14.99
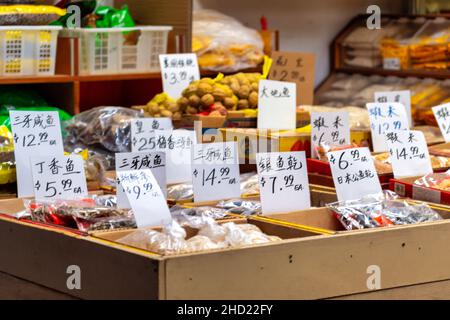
(59, 177)
(442, 115)
(354, 173)
(178, 71)
(408, 153)
(386, 117)
(146, 198)
(34, 133)
(283, 181)
(215, 171)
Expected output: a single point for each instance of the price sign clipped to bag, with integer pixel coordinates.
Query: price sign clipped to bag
(331, 128)
(142, 130)
(277, 105)
(408, 153)
(297, 67)
(128, 161)
(283, 181)
(403, 97)
(34, 133)
(145, 197)
(386, 117)
(354, 173)
(59, 177)
(178, 71)
(215, 171)
(442, 115)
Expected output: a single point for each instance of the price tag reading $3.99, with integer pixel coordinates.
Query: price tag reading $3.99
(354, 173)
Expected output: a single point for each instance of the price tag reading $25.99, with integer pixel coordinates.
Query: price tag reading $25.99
(442, 115)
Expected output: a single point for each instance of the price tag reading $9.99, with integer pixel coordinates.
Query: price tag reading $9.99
(59, 177)
(215, 171)
(408, 153)
(145, 197)
(354, 173)
(283, 181)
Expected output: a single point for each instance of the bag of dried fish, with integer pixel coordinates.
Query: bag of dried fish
(241, 206)
(181, 191)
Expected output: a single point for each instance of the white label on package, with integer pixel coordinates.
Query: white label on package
(354, 173)
(145, 197)
(385, 117)
(283, 181)
(35, 133)
(142, 131)
(442, 115)
(403, 97)
(277, 105)
(178, 71)
(391, 64)
(215, 171)
(331, 128)
(154, 161)
(59, 177)
(408, 153)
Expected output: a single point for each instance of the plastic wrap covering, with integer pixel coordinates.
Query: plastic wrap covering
(183, 214)
(381, 210)
(19, 15)
(109, 127)
(173, 239)
(383, 162)
(240, 206)
(439, 181)
(224, 44)
(249, 183)
(183, 191)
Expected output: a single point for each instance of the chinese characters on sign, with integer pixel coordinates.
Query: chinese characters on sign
(276, 105)
(283, 181)
(34, 133)
(145, 197)
(408, 153)
(354, 173)
(403, 97)
(59, 177)
(215, 171)
(178, 71)
(331, 128)
(297, 67)
(385, 117)
(142, 131)
(154, 161)
(442, 115)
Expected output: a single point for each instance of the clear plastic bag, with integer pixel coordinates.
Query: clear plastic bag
(109, 127)
(439, 181)
(224, 44)
(241, 206)
(183, 191)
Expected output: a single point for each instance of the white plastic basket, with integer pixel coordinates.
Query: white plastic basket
(28, 50)
(121, 50)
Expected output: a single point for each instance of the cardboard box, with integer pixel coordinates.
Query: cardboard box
(406, 188)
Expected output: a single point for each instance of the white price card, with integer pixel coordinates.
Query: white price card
(283, 181)
(385, 117)
(215, 171)
(146, 198)
(127, 161)
(142, 130)
(58, 177)
(442, 115)
(408, 153)
(331, 128)
(354, 173)
(277, 105)
(391, 64)
(403, 97)
(35, 133)
(178, 71)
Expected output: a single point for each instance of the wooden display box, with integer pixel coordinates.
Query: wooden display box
(406, 188)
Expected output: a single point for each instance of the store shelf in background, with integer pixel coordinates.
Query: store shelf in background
(118, 77)
(34, 79)
(398, 73)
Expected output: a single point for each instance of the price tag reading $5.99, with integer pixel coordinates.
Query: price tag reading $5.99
(283, 181)
(215, 171)
(354, 173)
(386, 117)
(146, 198)
(59, 177)
(36, 133)
(408, 153)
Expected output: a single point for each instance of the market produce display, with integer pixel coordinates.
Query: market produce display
(245, 87)
(383, 162)
(162, 106)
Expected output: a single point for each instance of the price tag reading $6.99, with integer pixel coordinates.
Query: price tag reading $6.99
(59, 177)
(283, 181)
(145, 197)
(408, 153)
(215, 171)
(354, 173)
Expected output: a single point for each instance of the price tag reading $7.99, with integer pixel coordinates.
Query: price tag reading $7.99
(354, 173)
(408, 153)
(283, 181)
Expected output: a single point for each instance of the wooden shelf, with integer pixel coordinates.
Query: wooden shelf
(35, 79)
(118, 77)
(397, 73)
